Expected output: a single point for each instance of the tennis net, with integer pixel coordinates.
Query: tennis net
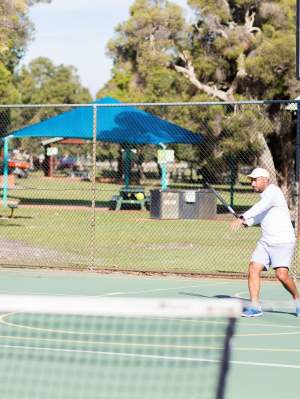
(108, 348)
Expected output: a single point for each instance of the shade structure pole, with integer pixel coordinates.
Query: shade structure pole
(163, 168)
(164, 176)
(127, 166)
(5, 172)
(93, 219)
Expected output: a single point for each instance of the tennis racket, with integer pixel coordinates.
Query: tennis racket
(223, 202)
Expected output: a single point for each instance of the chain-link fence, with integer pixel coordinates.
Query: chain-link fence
(128, 187)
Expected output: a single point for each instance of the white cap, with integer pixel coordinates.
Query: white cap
(259, 172)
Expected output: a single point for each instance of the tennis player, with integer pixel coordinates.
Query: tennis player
(277, 243)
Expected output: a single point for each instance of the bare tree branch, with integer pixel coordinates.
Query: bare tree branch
(249, 21)
(189, 72)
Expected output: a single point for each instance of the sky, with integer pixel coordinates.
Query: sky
(76, 32)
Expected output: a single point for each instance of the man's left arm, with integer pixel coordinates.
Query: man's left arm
(260, 207)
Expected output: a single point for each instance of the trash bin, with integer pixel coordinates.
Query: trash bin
(164, 204)
(197, 204)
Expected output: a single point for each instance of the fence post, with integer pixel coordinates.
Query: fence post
(297, 189)
(297, 169)
(93, 221)
(5, 172)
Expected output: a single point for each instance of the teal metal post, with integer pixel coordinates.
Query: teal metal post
(164, 176)
(164, 169)
(5, 172)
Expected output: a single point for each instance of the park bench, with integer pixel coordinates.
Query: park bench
(12, 207)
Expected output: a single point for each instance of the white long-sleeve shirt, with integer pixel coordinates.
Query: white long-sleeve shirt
(273, 215)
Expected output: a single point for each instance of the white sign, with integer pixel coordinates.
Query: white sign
(165, 156)
(52, 151)
(190, 196)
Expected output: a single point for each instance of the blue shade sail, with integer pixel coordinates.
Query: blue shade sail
(124, 125)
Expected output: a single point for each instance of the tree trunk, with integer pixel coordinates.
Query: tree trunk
(265, 160)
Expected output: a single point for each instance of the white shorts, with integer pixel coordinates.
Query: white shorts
(276, 255)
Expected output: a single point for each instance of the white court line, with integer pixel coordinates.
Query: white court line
(255, 325)
(37, 293)
(286, 304)
(124, 334)
(146, 345)
(238, 294)
(172, 346)
(4, 322)
(117, 292)
(271, 304)
(277, 365)
(166, 289)
(138, 355)
(50, 293)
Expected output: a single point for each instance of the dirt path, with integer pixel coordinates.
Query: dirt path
(16, 253)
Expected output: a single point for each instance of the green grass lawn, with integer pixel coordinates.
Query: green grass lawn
(123, 240)
(132, 241)
(60, 191)
(38, 189)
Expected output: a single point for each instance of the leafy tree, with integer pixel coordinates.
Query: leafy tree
(42, 82)
(142, 50)
(232, 50)
(252, 47)
(15, 32)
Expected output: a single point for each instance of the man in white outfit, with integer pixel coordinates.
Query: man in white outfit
(277, 243)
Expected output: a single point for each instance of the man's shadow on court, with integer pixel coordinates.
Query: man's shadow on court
(245, 301)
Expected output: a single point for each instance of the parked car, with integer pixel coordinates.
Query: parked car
(66, 163)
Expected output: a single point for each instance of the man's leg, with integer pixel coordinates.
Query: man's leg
(254, 281)
(282, 274)
(254, 309)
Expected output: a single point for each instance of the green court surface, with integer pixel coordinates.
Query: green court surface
(265, 361)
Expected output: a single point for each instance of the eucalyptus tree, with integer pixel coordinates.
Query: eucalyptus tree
(43, 82)
(245, 49)
(228, 51)
(16, 31)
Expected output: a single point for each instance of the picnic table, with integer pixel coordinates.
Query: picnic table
(132, 195)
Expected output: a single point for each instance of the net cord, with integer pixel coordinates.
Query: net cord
(121, 307)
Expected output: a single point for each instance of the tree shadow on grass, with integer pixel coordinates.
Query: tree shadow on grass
(61, 202)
